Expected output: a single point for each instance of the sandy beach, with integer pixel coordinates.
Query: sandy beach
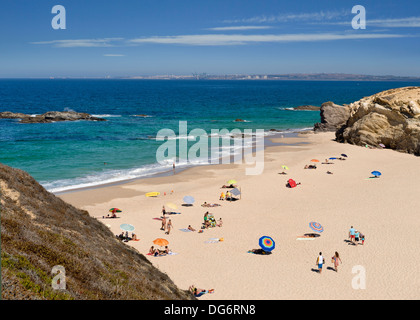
(384, 209)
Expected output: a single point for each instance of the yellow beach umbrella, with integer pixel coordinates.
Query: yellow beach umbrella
(171, 205)
(232, 182)
(285, 167)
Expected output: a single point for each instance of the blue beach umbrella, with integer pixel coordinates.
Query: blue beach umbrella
(333, 158)
(127, 227)
(267, 243)
(189, 199)
(316, 226)
(376, 173)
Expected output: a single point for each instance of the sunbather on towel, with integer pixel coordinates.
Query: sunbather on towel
(198, 292)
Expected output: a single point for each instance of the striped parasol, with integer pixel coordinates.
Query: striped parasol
(316, 226)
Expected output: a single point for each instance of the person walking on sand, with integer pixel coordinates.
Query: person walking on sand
(169, 227)
(320, 262)
(173, 167)
(335, 260)
(352, 234)
(163, 223)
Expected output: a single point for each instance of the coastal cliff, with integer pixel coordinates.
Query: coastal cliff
(40, 231)
(390, 119)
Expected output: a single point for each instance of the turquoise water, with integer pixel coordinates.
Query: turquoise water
(65, 155)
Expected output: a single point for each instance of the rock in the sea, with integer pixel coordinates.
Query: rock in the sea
(390, 117)
(51, 116)
(333, 117)
(12, 115)
(307, 107)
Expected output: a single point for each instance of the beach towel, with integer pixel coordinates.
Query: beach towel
(214, 240)
(160, 219)
(210, 205)
(305, 238)
(173, 213)
(185, 230)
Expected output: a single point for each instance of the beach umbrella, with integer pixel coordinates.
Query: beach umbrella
(114, 210)
(344, 155)
(333, 158)
(314, 160)
(232, 181)
(171, 206)
(285, 167)
(267, 243)
(127, 227)
(161, 242)
(235, 192)
(376, 173)
(316, 226)
(292, 183)
(189, 199)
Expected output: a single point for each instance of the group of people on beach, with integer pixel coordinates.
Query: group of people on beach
(157, 252)
(335, 260)
(125, 238)
(355, 236)
(210, 221)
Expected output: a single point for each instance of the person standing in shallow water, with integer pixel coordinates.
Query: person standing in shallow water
(173, 167)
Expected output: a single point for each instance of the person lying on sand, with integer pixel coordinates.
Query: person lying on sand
(258, 251)
(329, 172)
(190, 228)
(220, 222)
(230, 186)
(282, 172)
(311, 166)
(198, 292)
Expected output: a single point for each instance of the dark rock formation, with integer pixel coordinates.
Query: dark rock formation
(307, 107)
(51, 116)
(333, 117)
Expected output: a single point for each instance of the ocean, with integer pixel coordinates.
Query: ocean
(68, 155)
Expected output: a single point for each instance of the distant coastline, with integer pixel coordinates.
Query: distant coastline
(258, 77)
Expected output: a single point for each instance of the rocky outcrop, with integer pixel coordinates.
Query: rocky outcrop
(12, 115)
(333, 117)
(51, 116)
(307, 108)
(391, 118)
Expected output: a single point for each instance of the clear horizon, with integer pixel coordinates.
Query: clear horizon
(216, 37)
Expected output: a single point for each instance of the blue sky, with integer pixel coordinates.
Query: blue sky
(148, 37)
